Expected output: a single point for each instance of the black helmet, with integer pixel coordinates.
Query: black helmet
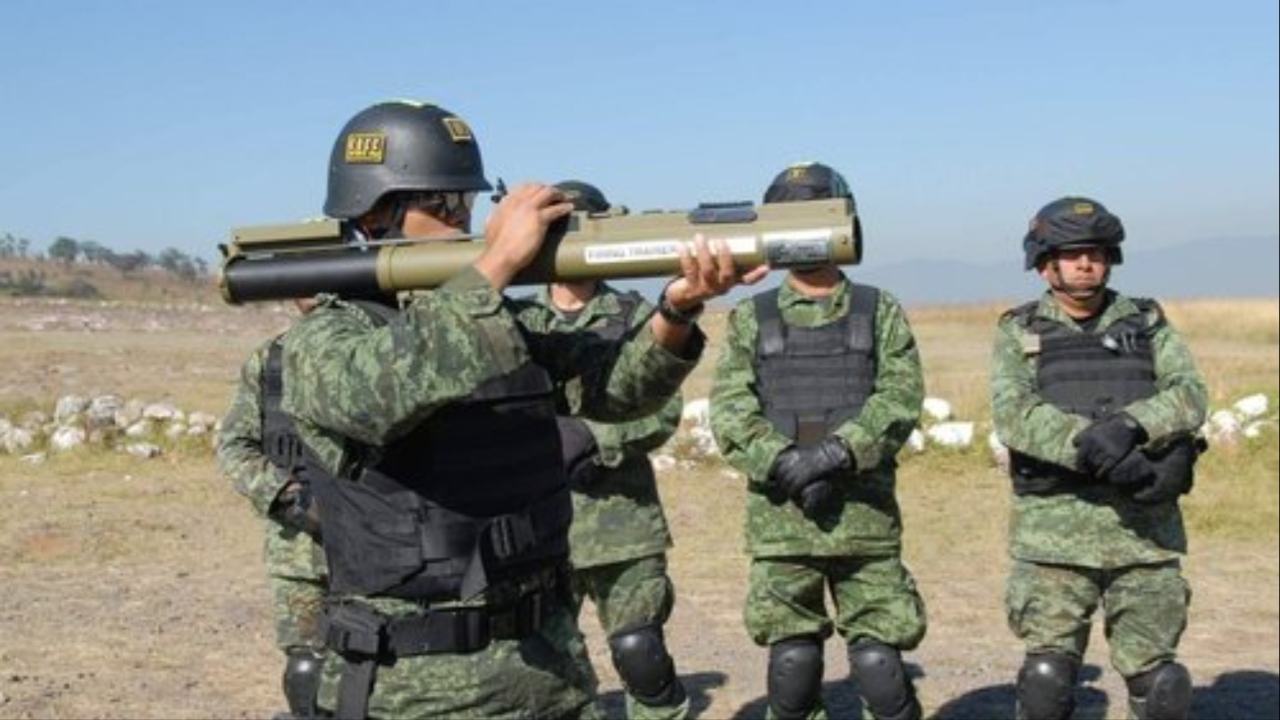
(814, 181)
(400, 146)
(807, 181)
(1072, 222)
(584, 196)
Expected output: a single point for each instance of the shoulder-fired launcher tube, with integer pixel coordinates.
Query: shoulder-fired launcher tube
(283, 262)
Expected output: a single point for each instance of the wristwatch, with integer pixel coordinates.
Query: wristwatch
(674, 316)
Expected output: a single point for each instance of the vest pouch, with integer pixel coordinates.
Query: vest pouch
(371, 535)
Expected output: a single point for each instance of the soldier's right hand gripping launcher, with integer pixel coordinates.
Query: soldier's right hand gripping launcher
(280, 262)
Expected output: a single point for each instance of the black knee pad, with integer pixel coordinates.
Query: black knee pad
(1046, 686)
(302, 681)
(640, 656)
(1163, 693)
(795, 677)
(882, 681)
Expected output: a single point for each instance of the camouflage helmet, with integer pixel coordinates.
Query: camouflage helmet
(814, 181)
(400, 146)
(1072, 222)
(584, 196)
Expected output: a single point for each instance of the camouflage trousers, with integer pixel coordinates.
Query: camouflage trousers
(874, 597)
(297, 575)
(545, 675)
(1050, 607)
(627, 594)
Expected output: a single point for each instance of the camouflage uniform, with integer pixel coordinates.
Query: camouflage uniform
(853, 551)
(619, 536)
(1091, 543)
(355, 386)
(295, 562)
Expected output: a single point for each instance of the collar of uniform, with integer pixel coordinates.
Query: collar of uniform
(835, 303)
(1117, 306)
(604, 302)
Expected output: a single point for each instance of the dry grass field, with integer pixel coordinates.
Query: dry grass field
(135, 588)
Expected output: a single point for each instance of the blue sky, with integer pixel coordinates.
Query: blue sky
(146, 124)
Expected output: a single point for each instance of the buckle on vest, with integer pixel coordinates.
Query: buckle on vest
(354, 628)
(511, 536)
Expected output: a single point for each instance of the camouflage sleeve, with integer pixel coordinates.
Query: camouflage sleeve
(1181, 400)
(746, 438)
(618, 441)
(372, 383)
(239, 449)
(893, 409)
(620, 381)
(1023, 421)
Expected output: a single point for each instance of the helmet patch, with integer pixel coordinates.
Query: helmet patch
(458, 129)
(1082, 208)
(365, 148)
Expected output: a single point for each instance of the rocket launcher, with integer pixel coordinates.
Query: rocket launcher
(281, 262)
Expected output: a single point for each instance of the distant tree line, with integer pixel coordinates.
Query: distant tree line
(70, 251)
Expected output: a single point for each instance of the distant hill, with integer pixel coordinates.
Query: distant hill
(1228, 268)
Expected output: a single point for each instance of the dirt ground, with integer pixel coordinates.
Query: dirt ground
(135, 589)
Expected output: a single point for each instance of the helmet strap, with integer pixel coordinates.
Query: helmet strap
(1080, 294)
(394, 229)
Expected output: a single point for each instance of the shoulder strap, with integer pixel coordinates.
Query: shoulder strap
(1152, 312)
(379, 313)
(772, 335)
(864, 301)
(629, 302)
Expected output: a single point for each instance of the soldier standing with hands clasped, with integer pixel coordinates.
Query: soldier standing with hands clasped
(817, 388)
(1097, 398)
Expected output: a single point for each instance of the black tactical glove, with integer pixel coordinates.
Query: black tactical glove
(816, 499)
(1133, 471)
(1104, 443)
(1174, 472)
(296, 507)
(797, 468)
(579, 450)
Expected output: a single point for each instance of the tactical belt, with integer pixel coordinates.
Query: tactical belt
(366, 638)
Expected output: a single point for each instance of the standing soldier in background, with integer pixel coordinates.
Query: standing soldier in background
(619, 536)
(432, 441)
(1097, 398)
(817, 388)
(259, 451)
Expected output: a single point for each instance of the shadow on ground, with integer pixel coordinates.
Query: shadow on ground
(1244, 694)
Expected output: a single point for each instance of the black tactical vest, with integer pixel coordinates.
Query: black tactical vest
(813, 379)
(1092, 374)
(616, 325)
(474, 494)
(1095, 374)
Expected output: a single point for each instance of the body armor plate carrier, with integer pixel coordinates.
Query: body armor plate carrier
(814, 379)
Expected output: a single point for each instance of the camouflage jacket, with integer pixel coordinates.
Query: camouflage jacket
(869, 521)
(355, 385)
(241, 460)
(1094, 525)
(621, 517)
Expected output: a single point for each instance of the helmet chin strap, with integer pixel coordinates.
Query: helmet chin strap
(1076, 292)
(394, 229)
